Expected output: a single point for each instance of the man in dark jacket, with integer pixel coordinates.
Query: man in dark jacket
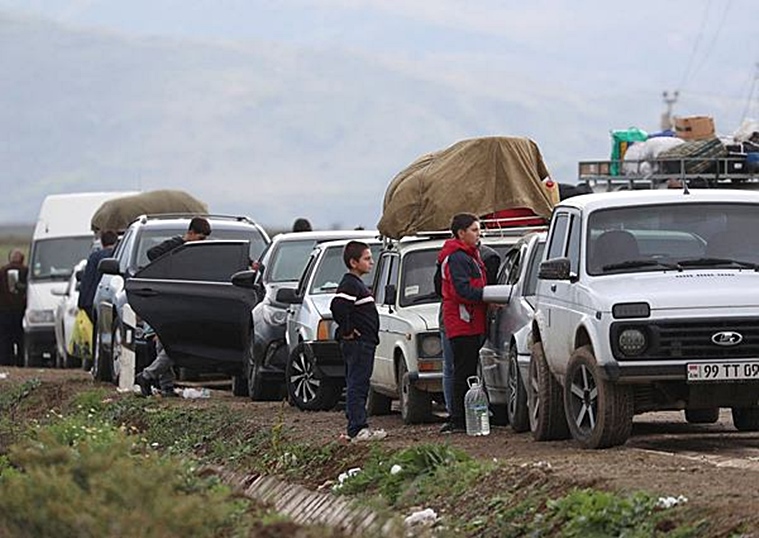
(12, 305)
(356, 315)
(161, 371)
(90, 278)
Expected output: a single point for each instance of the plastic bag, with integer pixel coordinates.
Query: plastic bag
(80, 344)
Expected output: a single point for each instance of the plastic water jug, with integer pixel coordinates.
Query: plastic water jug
(476, 408)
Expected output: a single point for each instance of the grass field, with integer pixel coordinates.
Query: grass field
(14, 237)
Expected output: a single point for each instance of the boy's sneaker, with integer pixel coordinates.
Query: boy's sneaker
(368, 434)
(451, 427)
(145, 384)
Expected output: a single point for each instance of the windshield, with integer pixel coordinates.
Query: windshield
(54, 259)
(150, 238)
(672, 237)
(332, 268)
(417, 278)
(288, 260)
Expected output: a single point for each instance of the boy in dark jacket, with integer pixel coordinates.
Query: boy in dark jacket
(356, 315)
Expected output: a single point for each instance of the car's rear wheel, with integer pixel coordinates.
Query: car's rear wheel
(305, 390)
(599, 413)
(516, 393)
(498, 412)
(416, 405)
(546, 410)
(702, 416)
(377, 403)
(746, 419)
(240, 385)
(259, 389)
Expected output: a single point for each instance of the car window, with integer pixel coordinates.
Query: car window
(331, 269)
(417, 285)
(212, 261)
(532, 270)
(287, 260)
(387, 269)
(558, 236)
(54, 259)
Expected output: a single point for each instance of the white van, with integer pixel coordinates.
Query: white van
(62, 237)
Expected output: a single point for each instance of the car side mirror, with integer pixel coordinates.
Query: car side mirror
(555, 269)
(288, 296)
(109, 266)
(79, 274)
(497, 293)
(391, 294)
(58, 292)
(245, 279)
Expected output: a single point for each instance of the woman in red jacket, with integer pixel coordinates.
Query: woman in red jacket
(464, 312)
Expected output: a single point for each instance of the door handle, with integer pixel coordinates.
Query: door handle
(553, 287)
(145, 292)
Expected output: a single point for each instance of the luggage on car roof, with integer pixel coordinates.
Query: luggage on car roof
(116, 214)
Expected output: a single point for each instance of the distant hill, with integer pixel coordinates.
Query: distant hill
(270, 132)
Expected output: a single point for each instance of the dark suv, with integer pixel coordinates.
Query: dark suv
(129, 257)
(280, 267)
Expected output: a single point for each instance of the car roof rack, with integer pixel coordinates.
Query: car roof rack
(158, 216)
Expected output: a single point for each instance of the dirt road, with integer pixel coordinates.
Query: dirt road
(712, 465)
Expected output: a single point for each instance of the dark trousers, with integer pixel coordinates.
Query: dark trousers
(11, 338)
(359, 364)
(466, 354)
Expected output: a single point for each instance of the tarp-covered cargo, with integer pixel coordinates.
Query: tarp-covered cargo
(116, 214)
(480, 175)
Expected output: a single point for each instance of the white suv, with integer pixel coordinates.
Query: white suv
(647, 300)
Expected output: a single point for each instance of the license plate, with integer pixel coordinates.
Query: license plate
(722, 371)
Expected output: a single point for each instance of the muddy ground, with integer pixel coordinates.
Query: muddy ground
(714, 466)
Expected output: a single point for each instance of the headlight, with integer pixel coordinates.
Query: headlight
(274, 316)
(430, 345)
(632, 342)
(40, 316)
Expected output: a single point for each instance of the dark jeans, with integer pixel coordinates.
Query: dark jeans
(466, 353)
(359, 364)
(11, 338)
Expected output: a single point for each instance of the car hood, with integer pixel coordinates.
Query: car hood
(423, 317)
(40, 295)
(321, 303)
(698, 289)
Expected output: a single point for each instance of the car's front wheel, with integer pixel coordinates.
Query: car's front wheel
(746, 419)
(416, 405)
(516, 408)
(546, 410)
(599, 412)
(259, 389)
(102, 361)
(305, 390)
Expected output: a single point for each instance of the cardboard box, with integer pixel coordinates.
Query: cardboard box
(695, 127)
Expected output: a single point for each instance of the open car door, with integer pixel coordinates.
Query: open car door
(188, 298)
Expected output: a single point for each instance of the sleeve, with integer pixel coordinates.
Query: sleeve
(86, 284)
(460, 271)
(342, 307)
(162, 248)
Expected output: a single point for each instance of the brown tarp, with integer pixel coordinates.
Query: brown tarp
(116, 214)
(479, 175)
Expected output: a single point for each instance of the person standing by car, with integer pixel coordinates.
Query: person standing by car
(161, 370)
(12, 305)
(464, 313)
(356, 315)
(89, 282)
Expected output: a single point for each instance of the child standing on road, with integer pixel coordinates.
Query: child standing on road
(356, 315)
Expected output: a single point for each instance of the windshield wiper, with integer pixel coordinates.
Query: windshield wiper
(633, 264)
(427, 297)
(711, 262)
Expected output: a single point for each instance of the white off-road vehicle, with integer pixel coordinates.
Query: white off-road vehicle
(647, 300)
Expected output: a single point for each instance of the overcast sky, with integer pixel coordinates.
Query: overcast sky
(584, 52)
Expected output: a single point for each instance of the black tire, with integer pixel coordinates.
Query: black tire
(746, 419)
(240, 385)
(546, 407)
(31, 360)
(102, 361)
(378, 404)
(599, 412)
(415, 404)
(117, 352)
(702, 416)
(303, 388)
(258, 388)
(498, 412)
(516, 408)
